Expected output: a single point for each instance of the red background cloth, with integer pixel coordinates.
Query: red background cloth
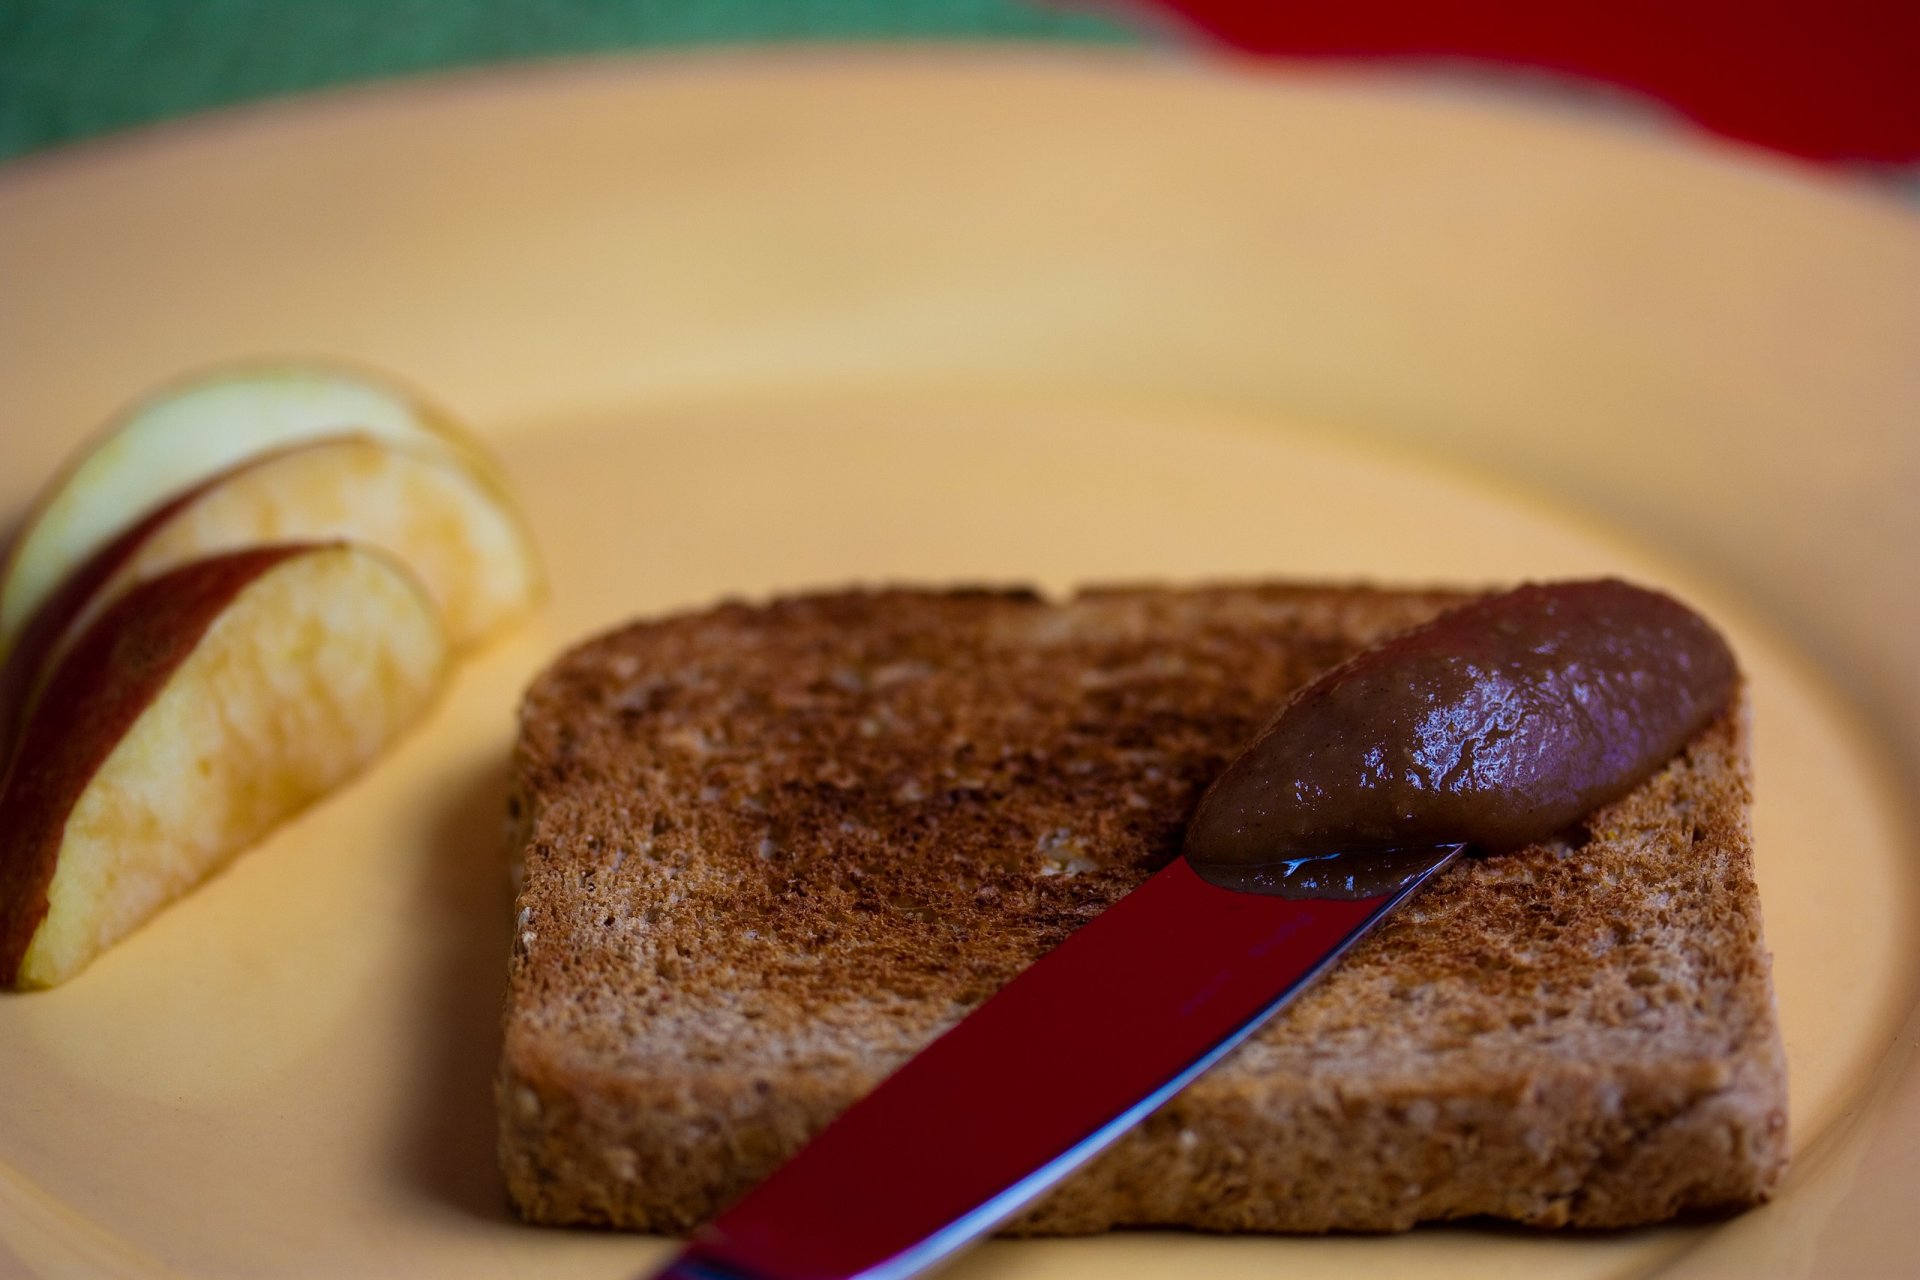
(1832, 80)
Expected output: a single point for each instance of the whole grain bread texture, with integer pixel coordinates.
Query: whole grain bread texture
(770, 852)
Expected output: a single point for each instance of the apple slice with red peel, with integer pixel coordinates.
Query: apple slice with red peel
(184, 435)
(428, 509)
(201, 709)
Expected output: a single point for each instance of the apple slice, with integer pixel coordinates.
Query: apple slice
(186, 434)
(203, 707)
(428, 509)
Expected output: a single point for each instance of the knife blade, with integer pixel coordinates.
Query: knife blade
(1074, 1051)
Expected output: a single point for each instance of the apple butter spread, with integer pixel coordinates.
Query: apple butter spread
(1495, 725)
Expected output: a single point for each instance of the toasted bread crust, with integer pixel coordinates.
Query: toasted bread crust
(769, 852)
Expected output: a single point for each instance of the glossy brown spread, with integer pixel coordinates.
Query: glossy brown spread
(1495, 725)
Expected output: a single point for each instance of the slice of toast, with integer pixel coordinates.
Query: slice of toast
(771, 852)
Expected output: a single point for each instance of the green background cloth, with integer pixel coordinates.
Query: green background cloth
(71, 69)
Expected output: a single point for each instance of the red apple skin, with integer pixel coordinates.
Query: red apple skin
(41, 639)
(49, 622)
(111, 675)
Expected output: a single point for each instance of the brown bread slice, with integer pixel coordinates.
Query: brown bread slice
(770, 852)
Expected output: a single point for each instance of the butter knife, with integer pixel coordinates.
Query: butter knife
(1077, 1049)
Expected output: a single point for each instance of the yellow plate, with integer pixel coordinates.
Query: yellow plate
(742, 322)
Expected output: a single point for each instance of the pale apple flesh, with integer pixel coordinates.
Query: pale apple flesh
(186, 434)
(202, 709)
(448, 524)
